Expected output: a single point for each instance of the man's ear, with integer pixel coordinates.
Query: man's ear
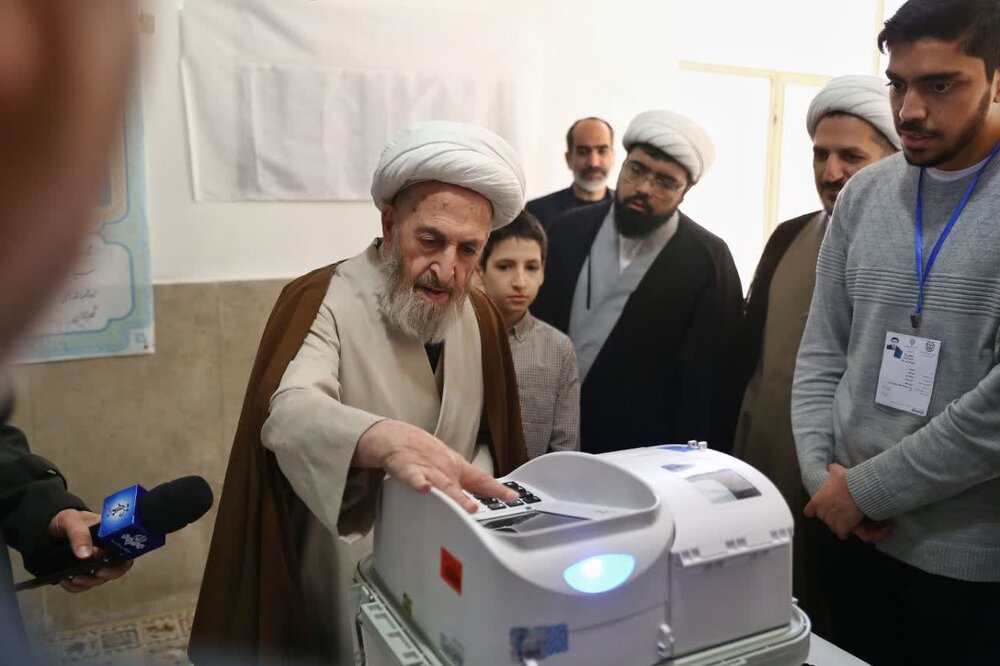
(569, 164)
(686, 190)
(477, 279)
(388, 222)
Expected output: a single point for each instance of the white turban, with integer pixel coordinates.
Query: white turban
(677, 136)
(454, 153)
(866, 97)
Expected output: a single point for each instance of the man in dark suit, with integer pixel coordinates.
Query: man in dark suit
(589, 155)
(648, 297)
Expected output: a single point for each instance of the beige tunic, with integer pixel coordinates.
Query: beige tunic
(351, 372)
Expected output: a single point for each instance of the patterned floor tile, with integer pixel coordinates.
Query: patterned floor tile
(159, 640)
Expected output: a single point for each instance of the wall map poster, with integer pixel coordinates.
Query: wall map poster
(106, 307)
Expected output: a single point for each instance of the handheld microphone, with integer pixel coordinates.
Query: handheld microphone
(133, 523)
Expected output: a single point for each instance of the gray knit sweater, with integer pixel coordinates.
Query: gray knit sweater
(934, 477)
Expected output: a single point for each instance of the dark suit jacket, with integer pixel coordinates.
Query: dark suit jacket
(551, 206)
(664, 375)
(32, 492)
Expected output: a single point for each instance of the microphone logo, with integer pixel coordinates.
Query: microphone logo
(137, 541)
(119, 510)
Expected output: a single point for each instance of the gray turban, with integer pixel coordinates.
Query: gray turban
(677, 136)
(454, 153)
(866, 97)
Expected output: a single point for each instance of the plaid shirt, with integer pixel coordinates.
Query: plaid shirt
(549, 386)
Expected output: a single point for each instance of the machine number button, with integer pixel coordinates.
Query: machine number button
(516, 502)
(530, 499)
(521, 490)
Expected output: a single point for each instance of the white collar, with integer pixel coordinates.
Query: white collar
(630, 248)
(952, 176)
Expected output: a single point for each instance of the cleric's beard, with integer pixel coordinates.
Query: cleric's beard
(633, 224)
(404, 310)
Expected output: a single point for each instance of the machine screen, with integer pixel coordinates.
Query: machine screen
(723, 486)
(718, 486)
(530, 521)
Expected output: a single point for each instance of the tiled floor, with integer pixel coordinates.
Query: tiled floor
(157, 641)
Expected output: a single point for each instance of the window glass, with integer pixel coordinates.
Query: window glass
(810, 36)
(729, 201)
(797, 189)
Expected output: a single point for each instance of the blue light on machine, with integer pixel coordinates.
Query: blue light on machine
(599, 573)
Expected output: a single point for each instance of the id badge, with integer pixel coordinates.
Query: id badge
(906, 379)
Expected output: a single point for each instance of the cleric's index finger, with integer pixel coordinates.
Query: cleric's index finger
(486, 486)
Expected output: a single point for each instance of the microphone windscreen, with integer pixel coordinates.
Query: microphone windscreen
(172, 505)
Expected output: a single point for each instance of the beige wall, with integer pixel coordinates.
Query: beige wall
(109, 423)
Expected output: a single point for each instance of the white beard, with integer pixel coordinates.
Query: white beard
(591, 186)
(407, 312)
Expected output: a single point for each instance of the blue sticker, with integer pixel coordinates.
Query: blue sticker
(538, 642)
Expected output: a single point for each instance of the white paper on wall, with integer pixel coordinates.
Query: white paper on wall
(294, 100)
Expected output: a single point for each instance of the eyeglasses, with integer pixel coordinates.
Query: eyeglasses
(662, 186)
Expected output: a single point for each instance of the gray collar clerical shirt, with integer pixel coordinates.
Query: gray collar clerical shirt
(606, 282)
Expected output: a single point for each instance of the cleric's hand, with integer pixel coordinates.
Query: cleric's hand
(834, 505)
(75, 526)
(419, 460)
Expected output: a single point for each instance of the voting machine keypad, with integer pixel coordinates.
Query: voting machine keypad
(525, 496)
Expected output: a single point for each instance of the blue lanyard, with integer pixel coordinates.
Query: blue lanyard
(922, 271)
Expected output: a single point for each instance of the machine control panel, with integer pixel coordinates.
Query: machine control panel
(525, 496)
(534, 510)
(489, 506)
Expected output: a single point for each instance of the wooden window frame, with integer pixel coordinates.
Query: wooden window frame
(779, 82)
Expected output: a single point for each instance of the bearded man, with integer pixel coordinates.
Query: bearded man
(650, 299)
(387, 363)
(589, 155)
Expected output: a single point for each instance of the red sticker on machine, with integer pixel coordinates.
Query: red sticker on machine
(451, 570)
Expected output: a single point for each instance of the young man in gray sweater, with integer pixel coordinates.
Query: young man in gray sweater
(901, 452)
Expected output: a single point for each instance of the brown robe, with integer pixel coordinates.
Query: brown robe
(251, 601)
(775, 317)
